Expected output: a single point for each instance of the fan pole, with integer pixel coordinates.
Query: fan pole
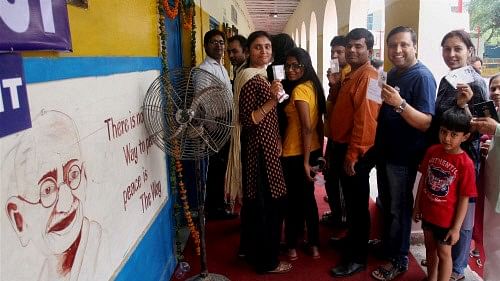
(201, 191)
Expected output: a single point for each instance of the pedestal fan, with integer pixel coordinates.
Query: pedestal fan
(188, 113)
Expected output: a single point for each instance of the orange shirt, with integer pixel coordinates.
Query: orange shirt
(354, 117)
(329, 105)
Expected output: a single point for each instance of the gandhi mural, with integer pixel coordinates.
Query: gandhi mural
(46, 200)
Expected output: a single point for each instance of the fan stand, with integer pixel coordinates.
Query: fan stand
(204, 274)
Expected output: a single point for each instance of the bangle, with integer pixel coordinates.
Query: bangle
(262, 110)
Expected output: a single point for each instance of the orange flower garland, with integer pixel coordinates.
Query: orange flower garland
(171, 11)
(187, 13)
(187, 17)
(195, 234)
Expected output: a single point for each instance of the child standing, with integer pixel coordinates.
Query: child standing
(447, 182)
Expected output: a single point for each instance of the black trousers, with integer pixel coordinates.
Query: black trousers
(357, 193)
(215, 197)
(301, 203)
(333, 188)
(263, 220)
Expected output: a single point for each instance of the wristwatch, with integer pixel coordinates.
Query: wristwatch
(401, 107)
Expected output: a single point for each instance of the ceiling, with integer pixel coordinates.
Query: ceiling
(271, 15)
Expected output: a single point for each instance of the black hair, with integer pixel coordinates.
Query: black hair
(360, 33)
(338, 41)
(210, 34)
(493, 78)
(376, 63)
(309, 75)
(256, 34)
(402, 29)
(252, 37)
(281, 42)
(476, 58)
(239, 38)
(462, 35)
(456, 119)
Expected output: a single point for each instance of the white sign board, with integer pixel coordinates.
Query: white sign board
(83, 184)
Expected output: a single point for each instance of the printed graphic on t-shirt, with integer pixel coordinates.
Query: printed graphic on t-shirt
(440, 175)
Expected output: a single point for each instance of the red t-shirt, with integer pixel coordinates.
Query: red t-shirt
(446, 177)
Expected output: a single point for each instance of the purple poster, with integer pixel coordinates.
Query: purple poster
(34, 25)
(14, 107)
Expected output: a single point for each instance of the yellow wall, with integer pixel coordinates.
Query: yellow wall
(400, 12)
(112, 28)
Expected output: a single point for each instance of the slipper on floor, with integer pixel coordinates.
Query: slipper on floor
(386, 274)
(283, 267)
(456, 277)
(423, 262)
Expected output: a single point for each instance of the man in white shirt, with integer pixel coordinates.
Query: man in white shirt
(214, 43)
(215, 204)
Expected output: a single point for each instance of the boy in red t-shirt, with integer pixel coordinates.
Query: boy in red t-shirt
(447, 182)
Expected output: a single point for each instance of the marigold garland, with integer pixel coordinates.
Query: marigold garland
(195, 234)
(187, 16)
(171, 12)
(176, 168)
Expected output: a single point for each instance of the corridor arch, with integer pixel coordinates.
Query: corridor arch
(313, 41)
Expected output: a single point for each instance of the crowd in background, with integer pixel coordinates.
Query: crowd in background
(400, 122)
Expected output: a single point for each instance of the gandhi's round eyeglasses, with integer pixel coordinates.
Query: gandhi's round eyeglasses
(49, 187)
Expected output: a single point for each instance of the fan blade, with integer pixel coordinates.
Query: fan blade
(213, 121)
(207, 139)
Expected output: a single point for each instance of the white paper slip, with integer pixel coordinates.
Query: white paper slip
(334, 66)
(382, 78)
(374, 92)
(462, 75)
(279, 72)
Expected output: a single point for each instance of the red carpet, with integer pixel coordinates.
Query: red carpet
(223, 241)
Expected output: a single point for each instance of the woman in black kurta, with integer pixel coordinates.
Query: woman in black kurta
(263, 182)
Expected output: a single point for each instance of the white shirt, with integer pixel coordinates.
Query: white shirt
(217, 69)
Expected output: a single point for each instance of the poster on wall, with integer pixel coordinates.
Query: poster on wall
(14, 107)
(83, 184)
(34, 25)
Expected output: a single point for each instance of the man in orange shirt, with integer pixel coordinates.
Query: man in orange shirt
(353, 124)
(336, 216)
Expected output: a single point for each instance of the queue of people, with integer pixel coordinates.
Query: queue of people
(415, 126)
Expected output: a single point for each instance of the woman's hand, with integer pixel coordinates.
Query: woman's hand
(307, 171)
(276, 88)
(485, 125)
(464, 94)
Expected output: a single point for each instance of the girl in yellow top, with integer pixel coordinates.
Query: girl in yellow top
(302, 145)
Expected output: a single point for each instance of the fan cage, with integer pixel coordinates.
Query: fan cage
(188, 113)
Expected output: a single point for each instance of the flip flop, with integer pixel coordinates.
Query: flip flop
(456, 277)
(283, 267)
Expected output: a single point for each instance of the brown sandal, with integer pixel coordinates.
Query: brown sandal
(283, 267)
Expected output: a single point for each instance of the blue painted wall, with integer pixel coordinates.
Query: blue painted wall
(154, 257)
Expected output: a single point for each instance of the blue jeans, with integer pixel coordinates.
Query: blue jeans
(395, 187)
(460, 251)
